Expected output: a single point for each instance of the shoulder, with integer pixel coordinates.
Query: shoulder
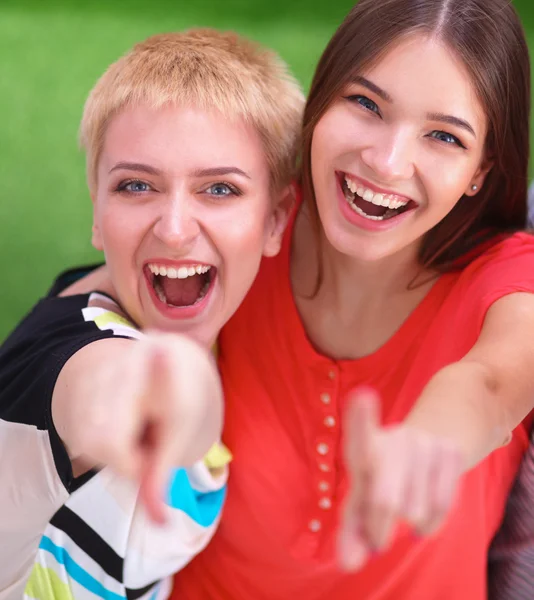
(56, 320)
(33, 355)
(504, 266)
(506, 261)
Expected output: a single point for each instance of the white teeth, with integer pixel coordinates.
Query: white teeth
(368, 195)
(358, 210)
(351, 185)
(180, 272)
(376, 198)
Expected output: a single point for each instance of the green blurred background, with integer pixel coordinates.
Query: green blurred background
(52, 52)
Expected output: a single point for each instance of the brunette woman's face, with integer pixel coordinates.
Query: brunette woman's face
(396, 151)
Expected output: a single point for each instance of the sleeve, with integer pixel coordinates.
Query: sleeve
(194, 503)
(109, 507)
(511, 556)
(505, 268)
(35, 470)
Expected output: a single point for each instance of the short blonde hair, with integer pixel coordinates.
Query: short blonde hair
(210, 70)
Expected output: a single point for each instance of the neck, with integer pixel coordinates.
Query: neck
(359, 304)
(347, 280)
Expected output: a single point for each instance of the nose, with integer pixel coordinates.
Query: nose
(177, 225)
(390, 155)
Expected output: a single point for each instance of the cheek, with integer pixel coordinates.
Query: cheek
(328, 137)
(445, 178)
(337, 140)
(242, 240)
(122, 226)
(240, 246)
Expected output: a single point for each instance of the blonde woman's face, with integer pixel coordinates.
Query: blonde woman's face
(183, 211)
(394, 154)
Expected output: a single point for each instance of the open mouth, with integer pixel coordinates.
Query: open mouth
(373, 205)
(183, 286)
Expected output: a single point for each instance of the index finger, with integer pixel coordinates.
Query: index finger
(161, 377)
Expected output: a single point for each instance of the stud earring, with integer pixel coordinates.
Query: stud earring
(474, 187)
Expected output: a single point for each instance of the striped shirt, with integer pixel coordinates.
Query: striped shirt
(98, 541)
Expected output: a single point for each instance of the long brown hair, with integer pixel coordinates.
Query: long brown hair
(489, 39)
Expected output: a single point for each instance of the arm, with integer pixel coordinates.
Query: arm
(410, 471)
(140, 408)
(477, 402)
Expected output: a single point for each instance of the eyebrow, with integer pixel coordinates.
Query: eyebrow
(128, 166)
(211, 172)
(219, 171)
(441, 117)
(372, 87)
(450, 120)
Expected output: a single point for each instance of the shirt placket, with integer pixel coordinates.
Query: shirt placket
(326, 443)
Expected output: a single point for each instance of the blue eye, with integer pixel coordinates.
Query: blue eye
(134, 186)
(447, 138)
(365, 102)
(222, 190)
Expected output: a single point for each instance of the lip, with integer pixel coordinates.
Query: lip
(177, 313)
(367, 224)
(374, 188)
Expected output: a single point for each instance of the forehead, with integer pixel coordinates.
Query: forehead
(175, 138)
(422, 74)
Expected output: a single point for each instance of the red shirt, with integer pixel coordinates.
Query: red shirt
(276, 540)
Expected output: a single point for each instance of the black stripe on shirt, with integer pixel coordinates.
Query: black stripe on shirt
(89, 541)
(133, 594)
(95, 547)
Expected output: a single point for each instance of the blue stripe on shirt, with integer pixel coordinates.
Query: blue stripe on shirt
(77, 573)
(201, 507)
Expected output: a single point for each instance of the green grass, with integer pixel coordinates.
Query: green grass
(52, 53)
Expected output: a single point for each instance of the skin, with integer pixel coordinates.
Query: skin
(142, 408)
(168, 210)
(409, 471)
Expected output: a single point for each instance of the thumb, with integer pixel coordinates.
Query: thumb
(362, 422)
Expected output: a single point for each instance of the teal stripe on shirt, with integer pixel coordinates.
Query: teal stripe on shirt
(76, 572)
(201, 507)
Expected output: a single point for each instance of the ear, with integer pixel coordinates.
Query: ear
(479, 177)
(281, 210)
(96, 238)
